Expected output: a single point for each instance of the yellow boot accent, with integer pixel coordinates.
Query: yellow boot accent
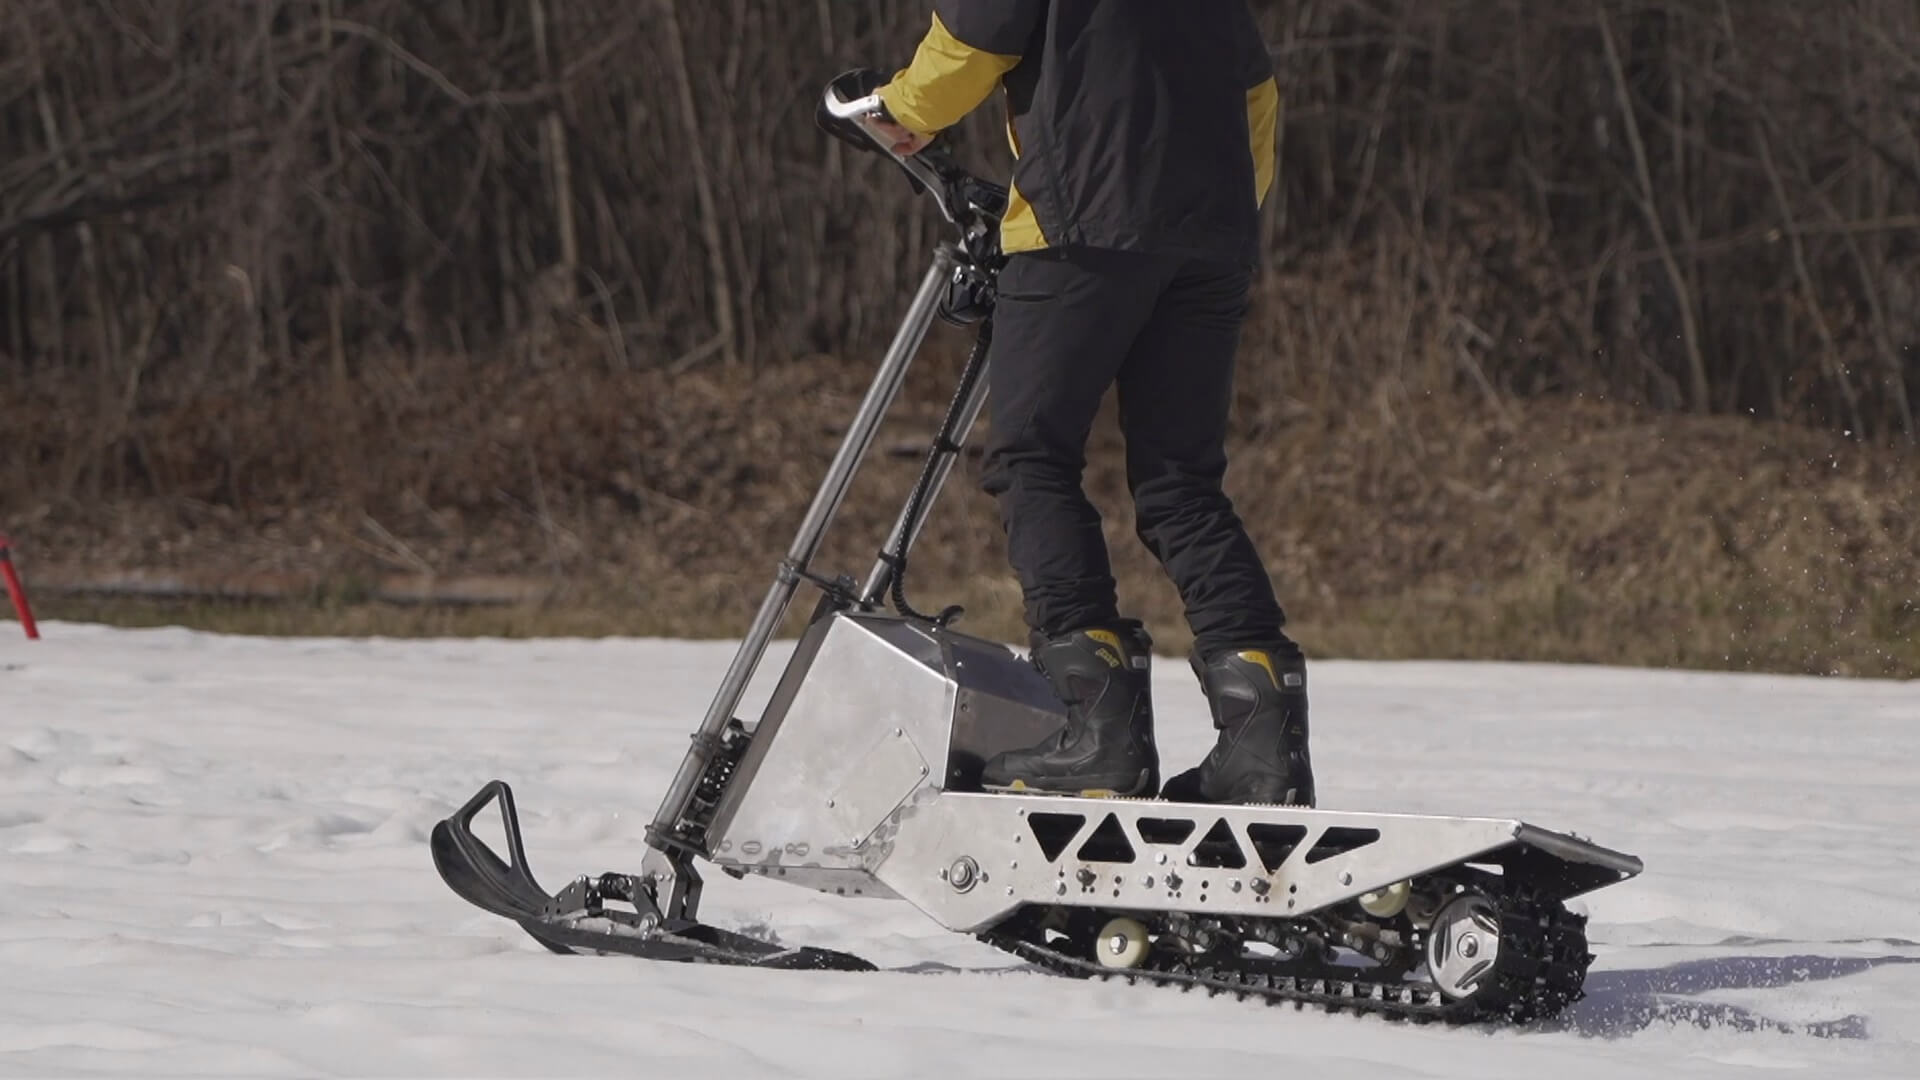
(1265, 661)
(1111, 640)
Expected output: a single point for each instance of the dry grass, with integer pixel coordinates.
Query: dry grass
(1408, 525)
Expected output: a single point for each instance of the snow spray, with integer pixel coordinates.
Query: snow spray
(16, 590)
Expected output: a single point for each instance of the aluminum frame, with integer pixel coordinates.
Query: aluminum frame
(862, 780)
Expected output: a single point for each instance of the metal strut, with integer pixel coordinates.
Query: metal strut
(668, 834)
(888, 577)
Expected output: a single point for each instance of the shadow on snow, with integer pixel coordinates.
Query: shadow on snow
(1622, 1003)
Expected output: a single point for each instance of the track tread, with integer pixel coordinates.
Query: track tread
(1542, 966)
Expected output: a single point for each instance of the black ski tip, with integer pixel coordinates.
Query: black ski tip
(811, 959)
(577, 922)
(475, 871)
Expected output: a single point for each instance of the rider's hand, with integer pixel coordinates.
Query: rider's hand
(906, 141)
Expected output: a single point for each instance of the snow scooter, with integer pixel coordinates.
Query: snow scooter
(861, 778)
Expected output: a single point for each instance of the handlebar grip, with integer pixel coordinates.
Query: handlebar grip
(857, 109)
(846, 111)
(848, 103)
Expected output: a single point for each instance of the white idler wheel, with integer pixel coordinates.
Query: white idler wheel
(1388, 902)
(1122, 944)
(1463, 945)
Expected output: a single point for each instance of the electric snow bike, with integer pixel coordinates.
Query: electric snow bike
(861, 778)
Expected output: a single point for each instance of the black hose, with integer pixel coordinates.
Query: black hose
(946, 442)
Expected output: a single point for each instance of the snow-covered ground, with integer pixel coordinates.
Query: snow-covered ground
(213, 861)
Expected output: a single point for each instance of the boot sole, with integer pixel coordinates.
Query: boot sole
(1196, 799)
(1143, 788)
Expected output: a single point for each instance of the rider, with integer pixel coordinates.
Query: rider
(1144, 133)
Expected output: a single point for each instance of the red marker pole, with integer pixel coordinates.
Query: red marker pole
(16, 590)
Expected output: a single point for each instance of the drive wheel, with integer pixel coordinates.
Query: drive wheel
(1122, 944)
(1463, 946)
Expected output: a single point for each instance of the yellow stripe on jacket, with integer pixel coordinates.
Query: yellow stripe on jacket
(1263, 132)
(948, 79)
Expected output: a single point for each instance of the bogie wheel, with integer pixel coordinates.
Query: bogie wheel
(1121, 944)
(1463, 946)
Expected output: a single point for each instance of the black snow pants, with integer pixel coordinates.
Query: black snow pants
(1070, 323)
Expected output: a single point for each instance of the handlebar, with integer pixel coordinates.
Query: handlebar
(848, 109)
(858, 109)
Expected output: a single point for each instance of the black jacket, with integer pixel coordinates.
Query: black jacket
(1141, 125)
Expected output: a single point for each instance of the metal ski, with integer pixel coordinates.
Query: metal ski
(578, 919)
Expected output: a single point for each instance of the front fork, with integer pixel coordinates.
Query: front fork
(672, 839)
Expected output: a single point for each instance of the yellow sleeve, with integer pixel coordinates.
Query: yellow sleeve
(947, 80)
(1263, 124)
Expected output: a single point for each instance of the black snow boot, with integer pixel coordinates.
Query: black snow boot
(1106, 747)
(1259, 701)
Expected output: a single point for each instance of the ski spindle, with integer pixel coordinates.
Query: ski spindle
(16, 590)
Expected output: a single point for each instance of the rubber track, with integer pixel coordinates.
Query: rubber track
(1542, 964)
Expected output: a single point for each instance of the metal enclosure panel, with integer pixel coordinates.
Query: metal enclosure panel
(1000, 701)
(879, 650)
(865, 719)
(1002, 704)
(880, 780)
(791, 680)
(872, 711)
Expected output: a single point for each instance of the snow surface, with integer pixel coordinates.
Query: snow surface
(213, 861)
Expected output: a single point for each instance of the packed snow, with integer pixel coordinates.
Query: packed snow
(213, 862)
